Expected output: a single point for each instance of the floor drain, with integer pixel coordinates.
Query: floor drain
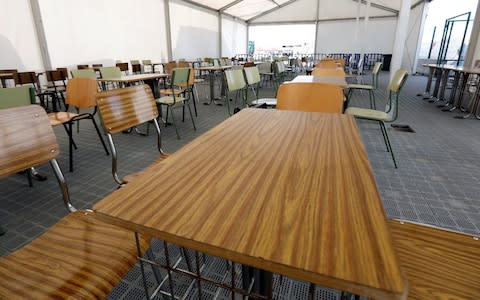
(402, 127)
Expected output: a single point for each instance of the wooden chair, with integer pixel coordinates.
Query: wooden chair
(82, 67)
(328, 72)
(30, 79)
(147, 66)
(80, 257)
(57, 82)
(367, 87)
(81, 94)
(310, 97)
(391, 109)
(136, 66)
(439, 264)
(122, 109)
(123, 67)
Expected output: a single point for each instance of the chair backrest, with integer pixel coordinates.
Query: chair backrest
(328, 72)
(97, 65)
(121, 109)
(147, 62)
(110, 72)
(81, 67)
(26, 139)
(279, 68)
(235, 79)
(326, 63)
(396, 84)
(122, 66)
(375, 72)
(55, 75)
(84, 73)
(22, 78)
(265, 67)
(64, 73)
(136, 67)
(180, 76)
(135, 62)
(16, 96)
(315, 97)
(183, 64)
(252, 75)
(168, 67)
(81, 92)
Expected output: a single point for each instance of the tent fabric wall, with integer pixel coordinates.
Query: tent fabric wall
(413, 38)
(338, 36)
(91, 31)
(19, 47)
(194, 31)
(233, 37)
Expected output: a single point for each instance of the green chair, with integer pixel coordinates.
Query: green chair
(17, 96)
(278, 74)
(367, 87)
(179, 79)
(235, 84)
(147, 63)
(110, 73)
(252, 75)
(84, 73)
(391, 110)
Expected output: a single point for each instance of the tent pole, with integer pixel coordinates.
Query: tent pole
(40, 30)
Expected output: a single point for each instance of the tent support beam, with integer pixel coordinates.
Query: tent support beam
(383, 7)
(315, 47)
(319, 21)
(219, 34)
(271, 10)
(40, 30)
(229, 5)
(168, 30)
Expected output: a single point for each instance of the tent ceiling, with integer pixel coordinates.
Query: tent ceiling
(250, 10)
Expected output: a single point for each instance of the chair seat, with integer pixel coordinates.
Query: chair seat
(171, 92)
(132, 176)
(80, 257)
(360, 86)
(267, 101)
(170, 100)
(59, 118)
(365, 113)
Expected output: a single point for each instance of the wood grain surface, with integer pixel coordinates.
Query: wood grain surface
(121, 109)
(134, 78)
(439, 264)
(27, 143)
(77, 258)
(310, 97)
(322, 79)
(288, 192)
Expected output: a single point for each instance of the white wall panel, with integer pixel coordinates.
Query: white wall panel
(19, 47)
(338, 36)
(234, 37)
(91, 31)
(194, 31)
(413, 38)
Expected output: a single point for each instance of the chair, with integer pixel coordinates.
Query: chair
(57, 82)
(327, 72)
(235, 83)
(123, 67)
(253, 81)
(7, 74)
(147, 63)
(80, 257)
(278, 74)
(367, 87)
(439, 264)
(179, 79)
(110, 73)
(84, 73)
(117, 114)
(82, 67)
(391, 110)
(30, 79)
(301, 96)
(97, 66)
(81, 94)
(136, 66)
(265, 70)
(168, 67)
(16, 96)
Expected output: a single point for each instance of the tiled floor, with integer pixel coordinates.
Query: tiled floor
(436, 182)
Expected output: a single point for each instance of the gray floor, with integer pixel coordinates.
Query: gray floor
(436, 182)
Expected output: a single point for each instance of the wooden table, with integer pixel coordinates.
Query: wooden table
(287, 192)
(129, 79)
(322, 79)
(211, 75)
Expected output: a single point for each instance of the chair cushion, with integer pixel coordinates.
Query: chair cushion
(170, 100)
(360, 86)
(132, 176)
(267, 101)
(59, 118)
(80, 257)
(365, 113)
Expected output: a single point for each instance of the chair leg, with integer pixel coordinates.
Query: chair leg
(70, 145)
(68, 133)
(173, 121)
(193, 99)
(388, 144)
(383, 134)
(99, 135)
(191, 115)
(372, 99)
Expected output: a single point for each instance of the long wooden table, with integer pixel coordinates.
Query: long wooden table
(126, 80)
(287, 192)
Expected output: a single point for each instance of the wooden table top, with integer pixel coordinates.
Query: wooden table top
(321, 79)
(284, 191)
(213, 68)
(135, 77)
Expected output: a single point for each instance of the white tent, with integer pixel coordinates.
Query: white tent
(43, 34)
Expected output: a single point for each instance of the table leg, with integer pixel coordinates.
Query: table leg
(211, 79)
(443, 85)
(474, 105)
(438, 73)
(426, 95)
(453, 92)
